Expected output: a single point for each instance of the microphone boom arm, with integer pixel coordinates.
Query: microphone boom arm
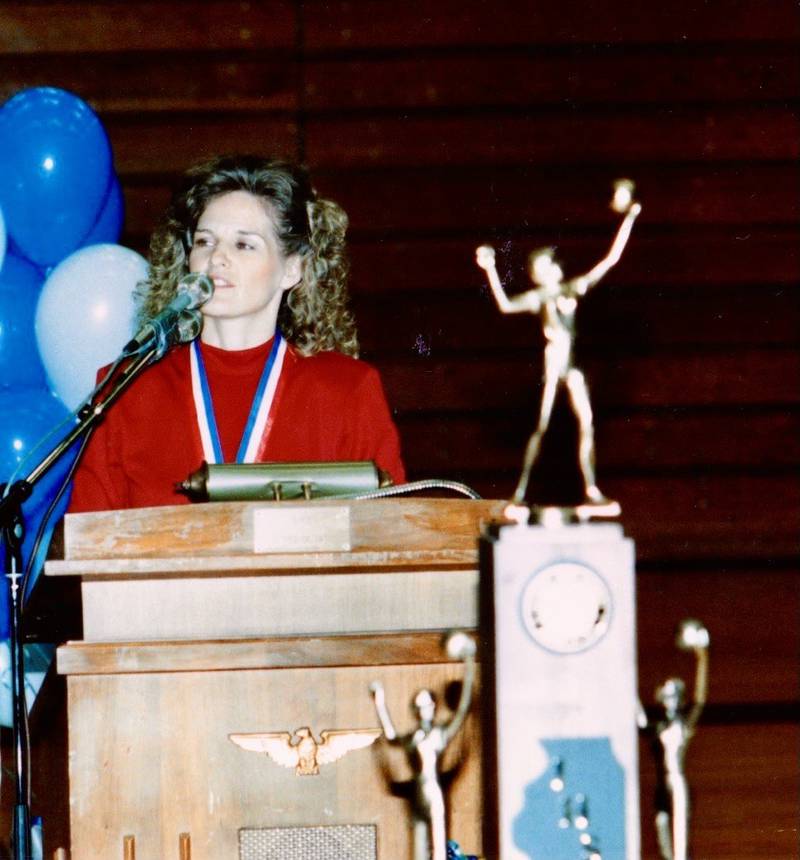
(12, 532)
(89, 415)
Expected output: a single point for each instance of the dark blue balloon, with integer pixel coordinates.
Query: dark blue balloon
(36, 507)
(20, 284)
(108, 226)
(27, 416)
(56, 171)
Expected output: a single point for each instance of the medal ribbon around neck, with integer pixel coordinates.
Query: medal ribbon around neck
(259, 410)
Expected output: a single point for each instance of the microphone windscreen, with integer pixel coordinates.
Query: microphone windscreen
(189, 326)
(198, 286)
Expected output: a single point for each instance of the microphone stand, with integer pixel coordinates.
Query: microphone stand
(12, 533)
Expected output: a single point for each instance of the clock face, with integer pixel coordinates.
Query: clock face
(566, 607)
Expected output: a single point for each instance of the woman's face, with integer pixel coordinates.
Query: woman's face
(235, 244)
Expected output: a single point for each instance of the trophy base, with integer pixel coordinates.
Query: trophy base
(552, 516)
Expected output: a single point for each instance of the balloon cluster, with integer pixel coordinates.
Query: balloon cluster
(66, 287)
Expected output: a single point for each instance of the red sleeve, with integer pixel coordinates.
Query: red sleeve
(374, 432)
(100, 483)
(146, 444)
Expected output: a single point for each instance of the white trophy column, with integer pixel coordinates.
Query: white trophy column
(559, 606)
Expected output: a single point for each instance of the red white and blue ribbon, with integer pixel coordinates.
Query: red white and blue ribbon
(259, 410)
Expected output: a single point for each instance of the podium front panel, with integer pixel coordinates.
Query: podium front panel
(278, 604)
(152, 758)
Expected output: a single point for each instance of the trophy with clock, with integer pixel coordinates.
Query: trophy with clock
(558, 620)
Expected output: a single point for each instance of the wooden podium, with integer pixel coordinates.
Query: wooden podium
(204, 621)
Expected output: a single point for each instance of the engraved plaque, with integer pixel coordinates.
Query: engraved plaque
(337, 842)
(301, 528)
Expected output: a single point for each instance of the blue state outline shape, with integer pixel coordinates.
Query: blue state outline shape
(589, 768)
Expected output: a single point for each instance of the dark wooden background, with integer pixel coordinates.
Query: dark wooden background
(440, 125)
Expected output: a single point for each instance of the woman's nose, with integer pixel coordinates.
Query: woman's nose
(218, 255)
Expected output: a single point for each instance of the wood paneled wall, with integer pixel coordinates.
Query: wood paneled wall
(440, 125)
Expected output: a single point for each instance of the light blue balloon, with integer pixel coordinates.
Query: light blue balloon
(85, 316)
(56, 171)
(20, 282)
(108, 226)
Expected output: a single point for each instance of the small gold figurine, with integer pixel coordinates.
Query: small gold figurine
(424, 748)
(555, 301)
(672, 735)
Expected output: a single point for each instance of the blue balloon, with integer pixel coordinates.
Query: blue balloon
(27, 416)
(2, 238)
(20, 285)
(108, 227)
(85, 316)
(56, 171)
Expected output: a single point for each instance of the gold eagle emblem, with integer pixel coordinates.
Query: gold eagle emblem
(302, 751)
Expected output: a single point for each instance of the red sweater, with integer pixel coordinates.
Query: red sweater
(327, 407)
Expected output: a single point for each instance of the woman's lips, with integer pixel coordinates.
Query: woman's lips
(221, 284)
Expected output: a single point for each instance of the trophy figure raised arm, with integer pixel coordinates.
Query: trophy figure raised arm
(672, 736)
(424, 748)
(557, 604)
(555, 300)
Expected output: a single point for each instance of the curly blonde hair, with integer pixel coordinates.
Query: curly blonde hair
(314, 316)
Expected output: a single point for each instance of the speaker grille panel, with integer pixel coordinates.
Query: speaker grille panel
(336, 842)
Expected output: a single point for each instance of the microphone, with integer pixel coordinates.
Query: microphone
(188, 326)
(173, 324)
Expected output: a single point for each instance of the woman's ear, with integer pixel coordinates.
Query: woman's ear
(292, 272)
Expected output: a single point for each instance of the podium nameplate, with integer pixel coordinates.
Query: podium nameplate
(301, 529)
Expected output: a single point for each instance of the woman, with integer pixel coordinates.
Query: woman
(274, 376)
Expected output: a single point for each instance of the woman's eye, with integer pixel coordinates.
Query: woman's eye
(201, 242)
(246, 246)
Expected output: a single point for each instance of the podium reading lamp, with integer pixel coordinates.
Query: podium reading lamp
(557, 613)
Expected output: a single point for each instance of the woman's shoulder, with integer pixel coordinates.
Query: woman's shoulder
(332, 365)
(332, 376)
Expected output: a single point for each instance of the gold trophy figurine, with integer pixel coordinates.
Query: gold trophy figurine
(555, 301)
(672, 735)
(424, 748)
